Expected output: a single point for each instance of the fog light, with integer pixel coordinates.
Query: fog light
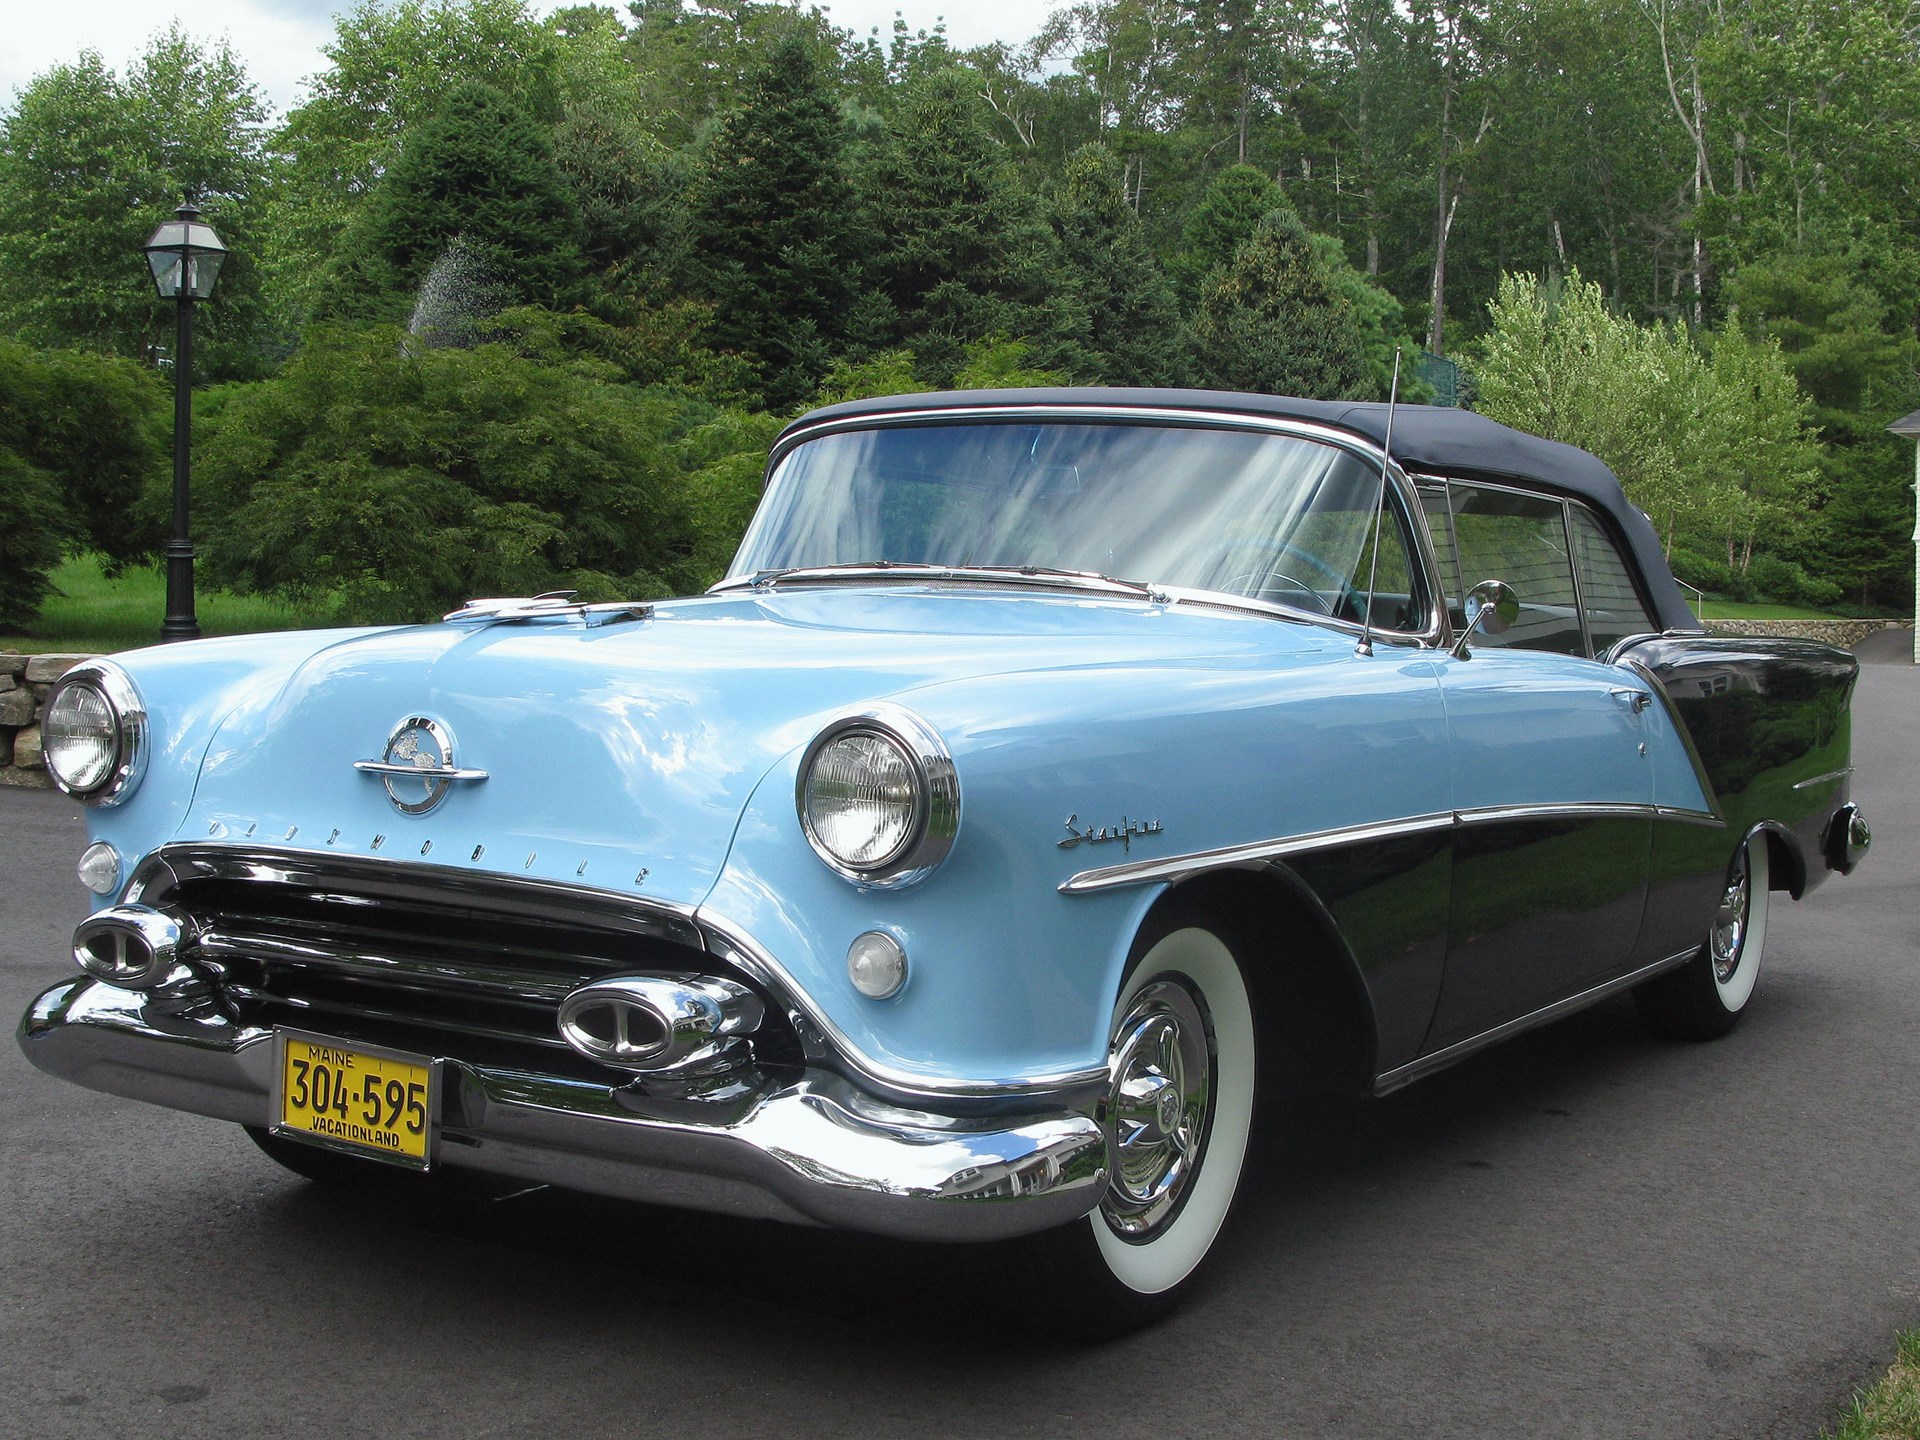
(877, 965)
(99, 868)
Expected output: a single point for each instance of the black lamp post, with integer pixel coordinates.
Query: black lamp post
(185, 255)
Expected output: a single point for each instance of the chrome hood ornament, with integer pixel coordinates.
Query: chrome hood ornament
(417, 767)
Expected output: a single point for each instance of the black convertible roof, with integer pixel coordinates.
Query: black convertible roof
(1426, 438)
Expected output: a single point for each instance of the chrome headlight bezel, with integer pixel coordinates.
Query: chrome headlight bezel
(129, 727)
(935, 818)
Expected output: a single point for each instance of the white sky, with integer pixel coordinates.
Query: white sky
(280, 40)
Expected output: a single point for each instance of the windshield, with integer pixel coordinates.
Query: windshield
(1272, 517)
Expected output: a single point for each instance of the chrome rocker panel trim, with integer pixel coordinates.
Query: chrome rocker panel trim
(810, 1149)
(1406, 1074)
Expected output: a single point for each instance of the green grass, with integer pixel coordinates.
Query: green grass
(88, 613)
(1717, 609)
(1891, 1409)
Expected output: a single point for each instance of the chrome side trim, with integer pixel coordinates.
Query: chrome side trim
(734, 945)
(1682, 816)
(1839, 774)
(1406, 1074)
(811, 1150)
(1181, 867)
(1566, 810)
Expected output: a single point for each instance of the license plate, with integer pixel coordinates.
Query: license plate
(353, 1097)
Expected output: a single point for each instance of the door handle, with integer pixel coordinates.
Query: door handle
(1638, 699)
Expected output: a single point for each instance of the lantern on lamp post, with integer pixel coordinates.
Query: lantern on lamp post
(1909, 426)
(185, 256)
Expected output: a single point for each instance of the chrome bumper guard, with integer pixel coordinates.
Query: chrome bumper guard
(813, 1149)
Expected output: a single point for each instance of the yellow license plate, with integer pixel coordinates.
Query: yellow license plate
(349, 1096)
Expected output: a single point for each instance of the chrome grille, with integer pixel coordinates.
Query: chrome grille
(424, 958)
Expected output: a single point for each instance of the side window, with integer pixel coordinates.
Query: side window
(1614, 608)
(1521, 539)
(1433, 504)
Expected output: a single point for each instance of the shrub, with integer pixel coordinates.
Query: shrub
(407, 480)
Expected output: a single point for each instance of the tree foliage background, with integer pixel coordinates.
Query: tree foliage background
(545, 286)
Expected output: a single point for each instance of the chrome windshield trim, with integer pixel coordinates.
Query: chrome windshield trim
(1174, 868)
(1180, 867)
(1431, 635)
(736, 945)
(1394, 1079)
(1842, 773)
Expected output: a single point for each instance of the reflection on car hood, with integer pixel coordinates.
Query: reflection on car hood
(635, 745)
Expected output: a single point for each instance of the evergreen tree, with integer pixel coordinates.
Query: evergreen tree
(964, 251)
(629, 190)
(1274, 321)
(1133, 332)
(477, 181)
(773, 227)
(1224, 219)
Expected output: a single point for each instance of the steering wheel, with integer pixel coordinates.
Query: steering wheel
(1261, 560)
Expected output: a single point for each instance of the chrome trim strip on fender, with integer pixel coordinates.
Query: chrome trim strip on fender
(1839, 774)
(1406, 1074)
(1181, 867)
(1566, 810)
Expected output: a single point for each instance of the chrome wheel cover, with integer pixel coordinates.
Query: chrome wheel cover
(1729, 934)
(1157, 1110)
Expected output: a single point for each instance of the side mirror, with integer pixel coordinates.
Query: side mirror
(1491, 606)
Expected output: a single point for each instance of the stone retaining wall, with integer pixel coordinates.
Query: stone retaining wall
(1844, 633)
(24, 683)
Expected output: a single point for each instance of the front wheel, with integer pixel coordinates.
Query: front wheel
(1179, 1105)
(1703, 999)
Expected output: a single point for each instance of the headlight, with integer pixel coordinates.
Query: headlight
(95, 733)
(878, 798)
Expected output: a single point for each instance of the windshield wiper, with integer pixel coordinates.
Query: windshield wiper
(914, 570)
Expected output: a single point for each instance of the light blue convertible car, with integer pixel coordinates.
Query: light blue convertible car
(1055, 773)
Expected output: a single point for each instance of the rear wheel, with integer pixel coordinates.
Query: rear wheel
(1179, 1105)
(1703, 999)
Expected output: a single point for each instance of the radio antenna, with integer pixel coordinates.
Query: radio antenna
(1365, 647)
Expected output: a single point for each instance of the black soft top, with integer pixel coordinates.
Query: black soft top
(1426, 438)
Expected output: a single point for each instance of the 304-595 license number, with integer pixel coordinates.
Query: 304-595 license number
(352, 1097)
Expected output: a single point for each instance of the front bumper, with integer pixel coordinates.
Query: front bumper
(805, 1147)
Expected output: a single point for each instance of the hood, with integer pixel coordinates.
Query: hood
(623, 755)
